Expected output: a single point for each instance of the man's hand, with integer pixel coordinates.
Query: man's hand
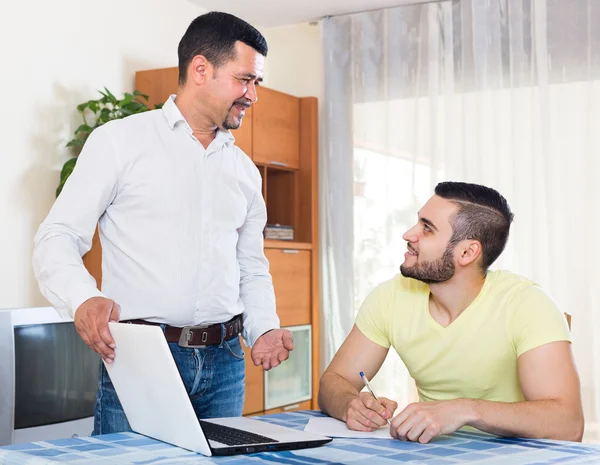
(422, 421)
(366, 414)
(91, 322)
(272, 348)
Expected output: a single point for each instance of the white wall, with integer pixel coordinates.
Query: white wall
(295, 60)
(55, 54)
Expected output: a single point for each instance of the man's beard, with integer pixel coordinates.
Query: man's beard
(437, 271)
(230, 123)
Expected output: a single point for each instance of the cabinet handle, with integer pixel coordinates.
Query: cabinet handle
(278, 163)
(290, 251)
(291, 407)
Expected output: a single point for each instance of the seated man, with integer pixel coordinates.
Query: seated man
(487, 349)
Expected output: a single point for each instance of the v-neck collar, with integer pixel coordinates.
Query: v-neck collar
(464, 316)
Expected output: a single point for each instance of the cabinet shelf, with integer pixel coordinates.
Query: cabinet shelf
(275, 167)
(279, 244)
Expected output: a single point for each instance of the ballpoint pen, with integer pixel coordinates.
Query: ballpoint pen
(366, 381)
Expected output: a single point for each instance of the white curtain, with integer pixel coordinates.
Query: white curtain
(504, 93)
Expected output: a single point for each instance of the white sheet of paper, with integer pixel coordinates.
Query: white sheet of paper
(327, 426)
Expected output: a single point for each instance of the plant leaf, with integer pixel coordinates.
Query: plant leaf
(137, 93)
(104, 115)
(111, 97)
(75, 143)
(66, 171)
(67, 168)
(83, 128)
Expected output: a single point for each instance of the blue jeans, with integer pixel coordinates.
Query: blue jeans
(213, 378)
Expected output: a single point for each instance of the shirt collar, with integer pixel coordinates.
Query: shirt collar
(174, 116)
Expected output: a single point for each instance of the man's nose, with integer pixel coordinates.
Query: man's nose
(410, 235)
(251, 93)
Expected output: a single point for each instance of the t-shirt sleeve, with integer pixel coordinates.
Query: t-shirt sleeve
(373, 318)
(536, 321)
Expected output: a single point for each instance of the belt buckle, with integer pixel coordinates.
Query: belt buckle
(187, 333)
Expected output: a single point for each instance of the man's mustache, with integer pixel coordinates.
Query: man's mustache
(245, 103)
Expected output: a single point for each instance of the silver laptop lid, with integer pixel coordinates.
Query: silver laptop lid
(150, 388)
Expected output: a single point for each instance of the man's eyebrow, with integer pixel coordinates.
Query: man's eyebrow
(251, 76)
(428, 223)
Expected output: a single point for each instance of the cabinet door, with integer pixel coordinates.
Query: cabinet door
(291, 382)
(255, 386)
(93, 260)
(276, 129)
(290, 269)
(157, 84)
(243, 135)
(307, 405)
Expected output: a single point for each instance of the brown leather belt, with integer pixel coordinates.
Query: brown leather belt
(198, 336)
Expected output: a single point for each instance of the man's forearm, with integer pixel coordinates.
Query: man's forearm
(335, 394)
(549, 419)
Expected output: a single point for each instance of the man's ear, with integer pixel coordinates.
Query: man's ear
(198, 70)
(469, 252)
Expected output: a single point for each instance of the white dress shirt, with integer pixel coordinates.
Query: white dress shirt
(180, 226)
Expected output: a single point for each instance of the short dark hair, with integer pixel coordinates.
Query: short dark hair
(214, 35)
(483, 214)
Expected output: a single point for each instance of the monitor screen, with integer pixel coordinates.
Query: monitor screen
(56, 375)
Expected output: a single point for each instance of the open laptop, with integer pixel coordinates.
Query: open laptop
(157, 405)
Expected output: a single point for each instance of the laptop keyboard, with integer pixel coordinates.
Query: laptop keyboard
(231, 436)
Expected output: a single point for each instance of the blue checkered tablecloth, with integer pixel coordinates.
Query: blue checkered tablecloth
(458, 448)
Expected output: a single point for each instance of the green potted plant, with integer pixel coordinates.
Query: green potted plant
(97, 112)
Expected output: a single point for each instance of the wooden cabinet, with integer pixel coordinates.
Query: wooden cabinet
(276, 129)
(254, 401)
(157, 84)
(93, 260)
(306, 405)
(291, 273)
(243, 135)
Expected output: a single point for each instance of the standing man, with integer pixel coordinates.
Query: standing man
(181, 216)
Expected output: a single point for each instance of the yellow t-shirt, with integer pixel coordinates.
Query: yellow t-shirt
(476, 355)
